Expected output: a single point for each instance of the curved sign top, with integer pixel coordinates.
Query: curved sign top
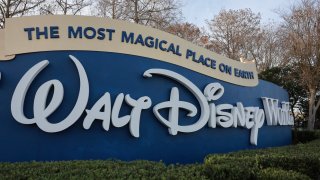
(54, 33)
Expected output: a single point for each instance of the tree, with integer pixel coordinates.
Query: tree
(187, 31)
(317, 123)
(114, 9)
(155, 13)
(239, 35)
(72, 7)
(267, 49)
(13, 8)
(234, 33)
(301, 36)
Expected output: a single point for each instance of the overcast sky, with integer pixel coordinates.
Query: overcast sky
(197, 11)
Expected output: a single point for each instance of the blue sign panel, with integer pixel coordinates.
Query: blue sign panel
(74, 105)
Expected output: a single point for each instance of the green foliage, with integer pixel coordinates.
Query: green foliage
(226, 167)
(280, 174)
(304, 136)
(109, 169)
(301, 158)
(274, 75)
(300, 161)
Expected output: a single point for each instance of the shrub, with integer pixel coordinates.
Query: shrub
(110, 169)
(304, 136)
(302, 158)
(273, 173)
(300, 161)
(186, 172)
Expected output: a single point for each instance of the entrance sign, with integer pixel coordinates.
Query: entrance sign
(91, 88)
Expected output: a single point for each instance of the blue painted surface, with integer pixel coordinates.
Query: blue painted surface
(119, 73)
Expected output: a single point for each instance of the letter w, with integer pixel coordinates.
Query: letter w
(271, 110)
